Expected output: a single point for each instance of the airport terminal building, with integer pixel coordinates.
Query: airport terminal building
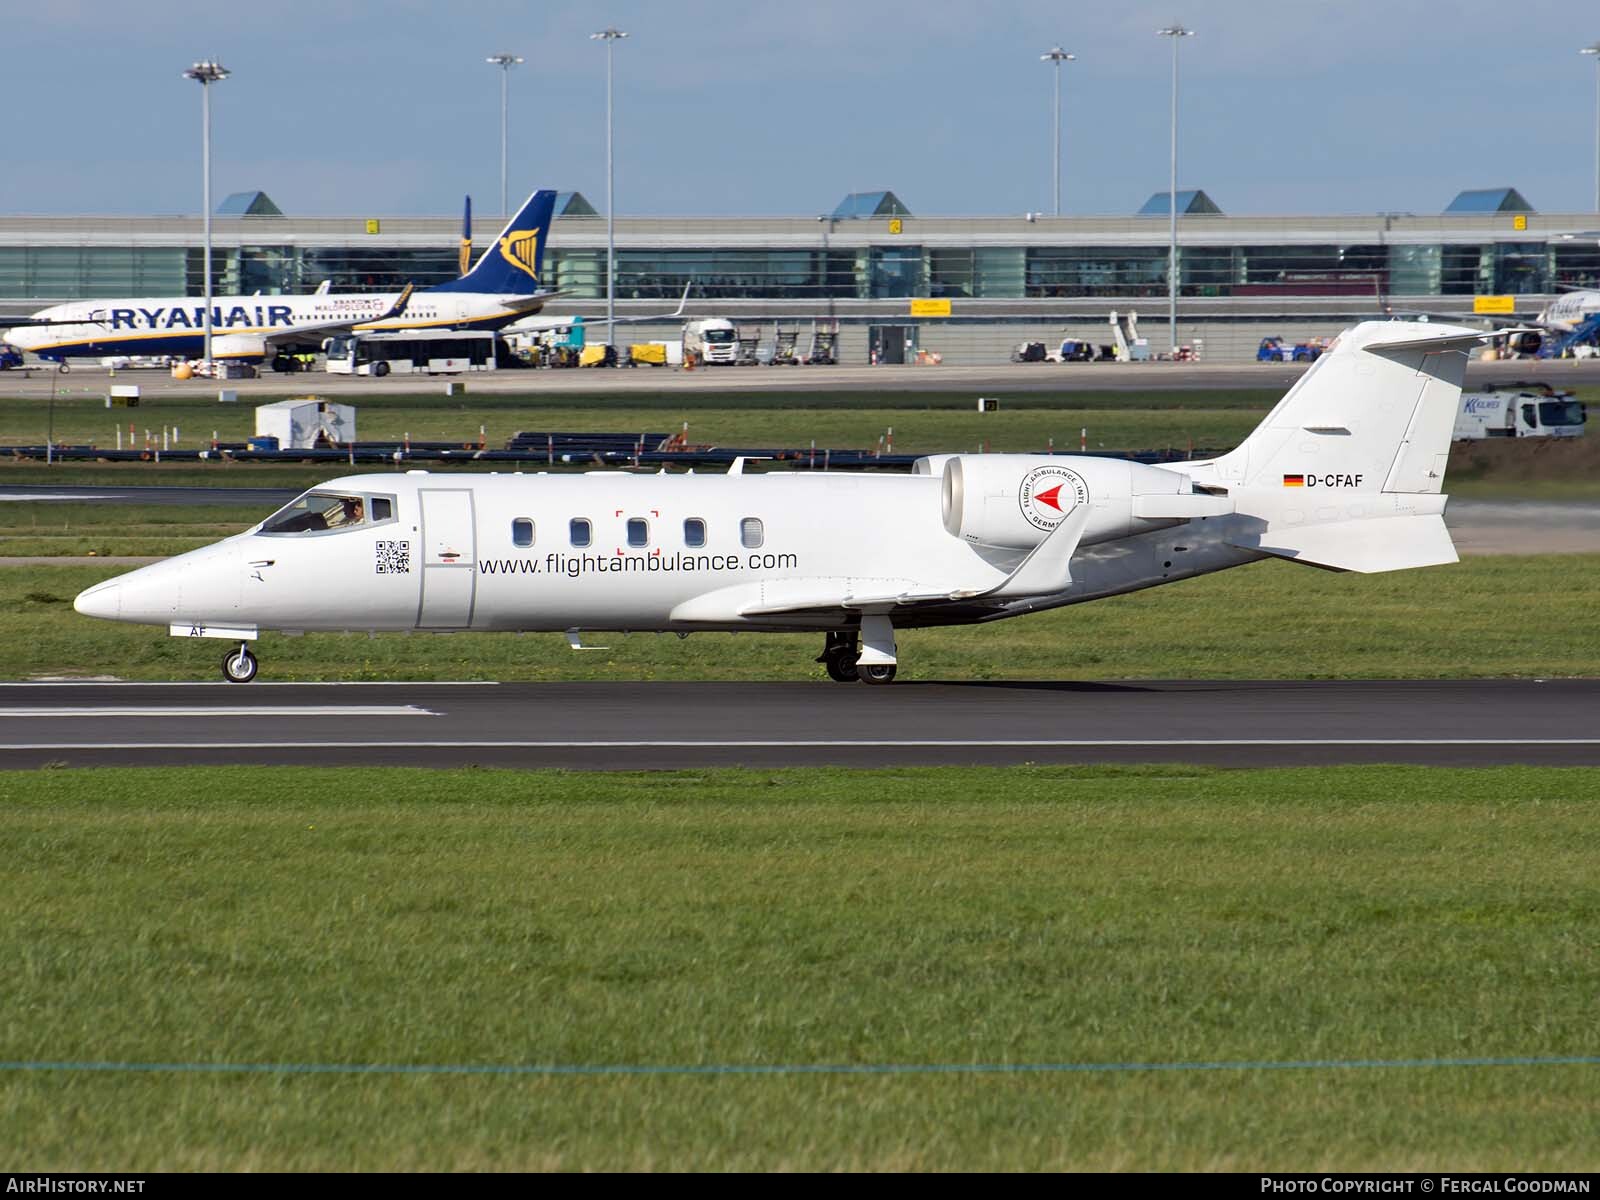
(967, 289)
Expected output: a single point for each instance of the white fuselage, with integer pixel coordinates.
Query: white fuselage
(448, 557)
(175, 325)
(1567, 312)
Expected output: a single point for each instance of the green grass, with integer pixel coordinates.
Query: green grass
(1270, 620)
(1073, 915)
(855, 425)
(76, 529)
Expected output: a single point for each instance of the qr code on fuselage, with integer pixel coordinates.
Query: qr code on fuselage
(394, 558)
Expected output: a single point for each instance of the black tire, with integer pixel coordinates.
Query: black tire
(876, 673)
(841, 668)
(239, 665)
(62, 368)
(380, 369)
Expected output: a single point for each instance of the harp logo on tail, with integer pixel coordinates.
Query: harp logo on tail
(521, 250)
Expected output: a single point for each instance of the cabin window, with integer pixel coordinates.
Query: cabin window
(522, 532)
(580, 532)
(694, 532)
(318, 512)
(638, 531)
(751, 533)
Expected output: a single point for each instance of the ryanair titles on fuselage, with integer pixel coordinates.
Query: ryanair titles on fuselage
(259, 316)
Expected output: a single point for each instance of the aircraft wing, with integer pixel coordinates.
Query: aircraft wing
(1045, 571)
(300, 333)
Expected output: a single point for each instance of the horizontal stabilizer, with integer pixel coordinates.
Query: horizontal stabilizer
(1366, 546)
(1455, 339)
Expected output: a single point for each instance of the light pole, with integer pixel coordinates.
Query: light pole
(610, 37)
(206, 73)
(505, 62)
(1177, 33)
(1057, 56)
(1594, 52)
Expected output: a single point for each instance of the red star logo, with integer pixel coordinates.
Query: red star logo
(1050, 497)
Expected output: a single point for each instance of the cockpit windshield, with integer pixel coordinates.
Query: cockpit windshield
(318, 512)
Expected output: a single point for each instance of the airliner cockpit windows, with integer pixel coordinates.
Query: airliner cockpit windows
(322, 512)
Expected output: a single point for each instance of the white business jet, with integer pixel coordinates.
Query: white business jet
(1345, 474)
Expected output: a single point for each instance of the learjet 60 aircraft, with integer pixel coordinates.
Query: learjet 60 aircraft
(501, 288)
(1345, 474)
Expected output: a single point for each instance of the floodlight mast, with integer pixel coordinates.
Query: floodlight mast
(206, 73)
(1594, 52)
(1057, 56)
(505, 62)
(610, 37)
(1177, 33)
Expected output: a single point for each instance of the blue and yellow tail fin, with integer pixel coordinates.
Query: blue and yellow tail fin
(511, 266)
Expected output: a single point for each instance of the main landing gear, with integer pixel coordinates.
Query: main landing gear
(239, 666)
(847, 661)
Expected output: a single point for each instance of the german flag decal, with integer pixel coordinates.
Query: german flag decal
(1294, 481)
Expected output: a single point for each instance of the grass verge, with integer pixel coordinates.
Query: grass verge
(1027, 915)
(1270, 620)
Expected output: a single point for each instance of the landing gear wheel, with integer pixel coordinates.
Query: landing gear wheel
(841, 668)
(838, 656)
(239, 666)
(876, 673)
(63, 368)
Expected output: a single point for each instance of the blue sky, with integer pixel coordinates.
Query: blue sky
(366, 107)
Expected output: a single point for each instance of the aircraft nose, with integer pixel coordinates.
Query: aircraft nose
(102, 600)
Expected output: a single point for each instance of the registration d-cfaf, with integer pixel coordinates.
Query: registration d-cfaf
(963, 539)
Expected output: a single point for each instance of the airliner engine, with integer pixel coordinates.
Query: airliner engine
(1014, 501)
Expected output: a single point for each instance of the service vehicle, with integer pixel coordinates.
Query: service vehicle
(1519, 410)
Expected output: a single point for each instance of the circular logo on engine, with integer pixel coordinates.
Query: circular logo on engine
(1050, 493)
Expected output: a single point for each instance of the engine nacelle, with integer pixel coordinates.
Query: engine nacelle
(241, 347)
(1526, 342)
(1014, 501)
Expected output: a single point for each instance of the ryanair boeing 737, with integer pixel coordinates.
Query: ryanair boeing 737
(502, 288)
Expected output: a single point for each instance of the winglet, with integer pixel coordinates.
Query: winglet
(399, 305)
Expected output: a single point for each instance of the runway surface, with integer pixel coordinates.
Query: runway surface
(603, 726)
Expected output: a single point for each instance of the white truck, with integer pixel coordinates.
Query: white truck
(1519, 410)
(712, 340)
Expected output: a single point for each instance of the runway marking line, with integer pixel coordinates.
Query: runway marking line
(254, 710)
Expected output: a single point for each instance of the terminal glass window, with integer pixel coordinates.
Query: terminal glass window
(896, 271)
(694, 532)
(1520, 268)
(1096, 271)
(751, 533)
(580, 532)
(1577, 265)
(522, 532)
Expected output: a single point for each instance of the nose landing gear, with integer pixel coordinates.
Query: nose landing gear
(239, 666)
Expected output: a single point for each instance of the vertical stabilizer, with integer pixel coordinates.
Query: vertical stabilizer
(511, 264)
(1374, 414)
